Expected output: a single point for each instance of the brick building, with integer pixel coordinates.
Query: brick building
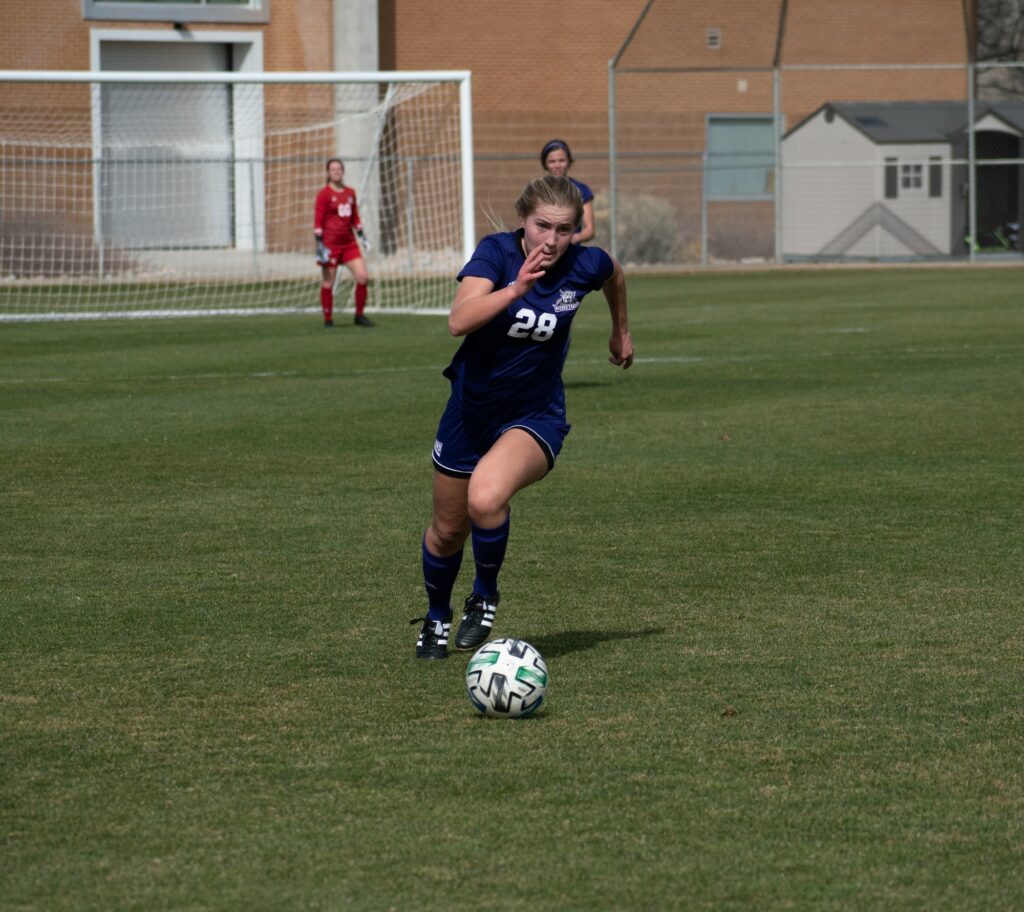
(541, 70)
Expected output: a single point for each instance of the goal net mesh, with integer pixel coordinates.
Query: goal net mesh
(158, 198)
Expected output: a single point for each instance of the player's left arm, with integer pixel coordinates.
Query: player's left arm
(586, 231)
(357, 224)
(620, 343)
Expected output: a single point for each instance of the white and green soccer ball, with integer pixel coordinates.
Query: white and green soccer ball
(507, 679)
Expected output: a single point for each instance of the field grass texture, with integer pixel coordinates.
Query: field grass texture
(776, 576)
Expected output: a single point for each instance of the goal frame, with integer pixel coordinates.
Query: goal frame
(462, 78)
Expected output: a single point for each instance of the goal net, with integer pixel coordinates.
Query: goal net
(131, 194)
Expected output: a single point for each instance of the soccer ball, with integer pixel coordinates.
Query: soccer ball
(507, 679)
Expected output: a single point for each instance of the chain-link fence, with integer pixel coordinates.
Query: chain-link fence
(774, 139)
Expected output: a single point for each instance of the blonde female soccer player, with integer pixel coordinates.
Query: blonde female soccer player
(505, 420)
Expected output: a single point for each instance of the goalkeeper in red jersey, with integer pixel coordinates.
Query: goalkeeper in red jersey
(336, 225)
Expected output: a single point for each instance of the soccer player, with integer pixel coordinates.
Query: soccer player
(336, 226)
(505, 421)
(557, 159)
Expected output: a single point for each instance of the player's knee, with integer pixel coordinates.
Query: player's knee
(446, 536)
(487, 504)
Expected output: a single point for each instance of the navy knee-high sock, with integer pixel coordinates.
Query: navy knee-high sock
(489, 553)
(439, 575)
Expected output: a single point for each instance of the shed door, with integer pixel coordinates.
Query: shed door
(997, 184)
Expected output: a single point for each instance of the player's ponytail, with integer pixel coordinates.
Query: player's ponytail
(550, 191)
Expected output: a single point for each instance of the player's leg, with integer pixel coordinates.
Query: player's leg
(457, 448)
(357, 267)
(442, 557)
(515, 461)
(327, 274)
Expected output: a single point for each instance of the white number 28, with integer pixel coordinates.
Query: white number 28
(529, 324)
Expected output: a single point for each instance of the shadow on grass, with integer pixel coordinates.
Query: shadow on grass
(565, 641)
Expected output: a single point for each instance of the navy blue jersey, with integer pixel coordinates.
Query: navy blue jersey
(585, 191)
(512, 366)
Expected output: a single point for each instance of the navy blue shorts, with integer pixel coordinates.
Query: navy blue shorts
(461, 441)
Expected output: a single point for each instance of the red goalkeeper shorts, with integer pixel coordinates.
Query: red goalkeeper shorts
(344, 252)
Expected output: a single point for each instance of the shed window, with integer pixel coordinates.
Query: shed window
(911, 176)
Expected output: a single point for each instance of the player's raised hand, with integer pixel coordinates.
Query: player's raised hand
(530, 271)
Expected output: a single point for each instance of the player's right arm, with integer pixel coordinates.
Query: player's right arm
(320, 214)
(477, 302)
(323, 255)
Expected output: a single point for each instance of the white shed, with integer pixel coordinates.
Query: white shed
(887, 180)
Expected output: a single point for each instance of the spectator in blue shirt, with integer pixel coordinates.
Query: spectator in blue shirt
(557, 160)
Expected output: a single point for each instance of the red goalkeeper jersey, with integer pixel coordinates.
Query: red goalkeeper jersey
(336, 216)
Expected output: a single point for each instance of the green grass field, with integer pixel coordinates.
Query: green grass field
(776, 576)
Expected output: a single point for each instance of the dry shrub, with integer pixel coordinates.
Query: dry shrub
(647, 229)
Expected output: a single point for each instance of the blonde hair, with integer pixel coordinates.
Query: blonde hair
(550, 191)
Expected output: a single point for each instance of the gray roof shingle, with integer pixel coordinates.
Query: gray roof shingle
(917, 121)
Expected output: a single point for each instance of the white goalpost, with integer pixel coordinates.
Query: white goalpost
(163, 194)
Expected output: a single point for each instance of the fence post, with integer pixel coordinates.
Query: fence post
(972, 196)
(704, 208)
(777, 124)
(613, 164)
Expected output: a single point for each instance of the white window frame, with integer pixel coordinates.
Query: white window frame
(911, 176)
(249, 59)
(254, 11)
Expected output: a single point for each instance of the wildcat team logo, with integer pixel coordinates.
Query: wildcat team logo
(566, 301)
(437, 447)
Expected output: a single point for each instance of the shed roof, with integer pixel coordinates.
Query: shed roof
(916, 121)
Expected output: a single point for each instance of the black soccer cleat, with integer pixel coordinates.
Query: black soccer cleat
(477, 622)
(433, 638)
(328, 323)
(363, 321)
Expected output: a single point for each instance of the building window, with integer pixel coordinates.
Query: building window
(891, 179)
(178, 10)
(740, 157)
(935, 176)
(712, 38)
(911, 177)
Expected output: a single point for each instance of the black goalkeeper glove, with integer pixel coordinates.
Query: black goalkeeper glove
(323, 255)
(362, 237)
